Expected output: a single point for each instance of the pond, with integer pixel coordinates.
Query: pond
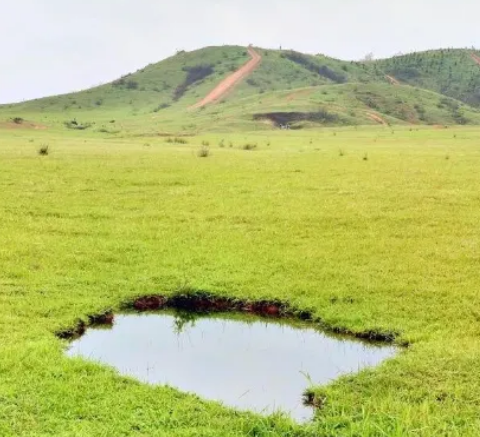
(243, 361)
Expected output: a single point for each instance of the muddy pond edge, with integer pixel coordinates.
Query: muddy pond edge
(207, 303)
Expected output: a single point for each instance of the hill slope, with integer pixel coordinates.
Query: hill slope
(187, 77)
(334, 105)
(158, 97)
(453, 72)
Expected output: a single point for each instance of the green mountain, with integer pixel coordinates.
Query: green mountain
(452, 72)
(287, 87)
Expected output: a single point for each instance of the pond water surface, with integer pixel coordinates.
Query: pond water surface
(246, 362)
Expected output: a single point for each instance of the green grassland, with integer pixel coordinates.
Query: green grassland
(370, 228)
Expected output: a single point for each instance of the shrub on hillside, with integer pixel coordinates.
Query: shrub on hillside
(123, 82)
(74, 124)
(161, 106)
(322, 70)
(285, 118)
(132, 85)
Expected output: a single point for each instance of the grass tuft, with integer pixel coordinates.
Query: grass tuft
(44, 150)
(203, 152)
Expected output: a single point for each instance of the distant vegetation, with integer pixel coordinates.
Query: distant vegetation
(451, 72)
(285, 118)
(194, 74)
(126, 83)
(310, 64)
(74, 124)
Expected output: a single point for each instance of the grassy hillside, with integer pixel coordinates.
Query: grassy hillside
(289, 70)
(185, 78)
(313, 90)
(325, 105)
(339, 105)
(452, 72)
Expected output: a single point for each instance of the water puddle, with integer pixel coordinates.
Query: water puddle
(244, 361)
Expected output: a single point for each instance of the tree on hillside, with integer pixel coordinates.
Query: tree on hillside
(369, 57)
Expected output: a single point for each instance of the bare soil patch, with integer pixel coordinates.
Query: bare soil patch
(392, 80)
(476, 58)
(377, 118)
(227, 84)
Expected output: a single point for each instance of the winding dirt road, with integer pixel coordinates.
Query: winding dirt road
(228, 83)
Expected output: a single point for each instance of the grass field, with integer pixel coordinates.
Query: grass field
(369, 228)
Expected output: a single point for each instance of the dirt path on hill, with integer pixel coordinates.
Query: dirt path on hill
(476, 58)
(392, 80)
(376, 117)
(228, 83)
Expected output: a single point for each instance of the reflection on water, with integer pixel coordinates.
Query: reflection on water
(245, 362)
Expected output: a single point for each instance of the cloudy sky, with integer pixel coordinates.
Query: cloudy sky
(57, 46)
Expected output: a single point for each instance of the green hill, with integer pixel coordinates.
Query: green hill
(437, 87)
(186, 77)
(334, 105)
(451, 72)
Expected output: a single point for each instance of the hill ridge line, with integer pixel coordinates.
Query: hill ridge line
(230, 81)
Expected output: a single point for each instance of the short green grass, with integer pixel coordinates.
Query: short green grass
(389, 244)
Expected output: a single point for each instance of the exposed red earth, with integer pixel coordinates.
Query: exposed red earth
(22, 125)
(228, 83)
(476, 58)
(205, 303)
(377, 118)
(392, 80)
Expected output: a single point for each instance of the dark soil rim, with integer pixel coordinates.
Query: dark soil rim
(205, 303)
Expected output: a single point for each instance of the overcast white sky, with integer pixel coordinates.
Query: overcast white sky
(57, 46)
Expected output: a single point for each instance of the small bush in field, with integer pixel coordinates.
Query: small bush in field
(203, 152)
(44, 150)
(176, 140)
